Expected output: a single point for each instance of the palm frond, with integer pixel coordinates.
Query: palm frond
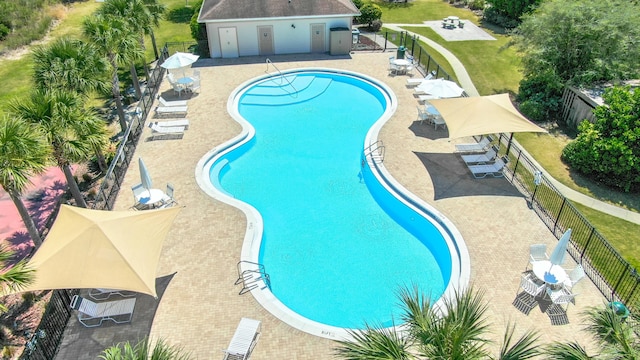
(566, 351)
(524, 348)
(375, 343)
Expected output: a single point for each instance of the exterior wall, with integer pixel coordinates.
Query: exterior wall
(286, 39)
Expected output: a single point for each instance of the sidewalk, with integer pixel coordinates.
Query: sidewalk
(465, 81)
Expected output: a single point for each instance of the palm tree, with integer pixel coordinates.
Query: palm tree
(116, 41)
(141, 16)
(617, 337)
(156, 10)
(24, 153)
(69, 64)
(143, 350)
(451, 333)
(71, 130)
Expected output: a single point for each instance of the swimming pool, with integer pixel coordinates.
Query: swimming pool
(327, 272)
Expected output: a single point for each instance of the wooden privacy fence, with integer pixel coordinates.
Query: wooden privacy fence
(609, 271)
(576, 107)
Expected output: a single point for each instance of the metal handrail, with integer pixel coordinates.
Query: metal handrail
(282, 77)
(376, 146)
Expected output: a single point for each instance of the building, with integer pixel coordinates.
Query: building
(267, 27)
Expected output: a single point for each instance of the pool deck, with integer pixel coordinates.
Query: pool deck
(200, 307)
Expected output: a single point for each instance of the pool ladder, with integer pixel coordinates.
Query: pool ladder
(293, 94)
(252, 277)
(374, 152)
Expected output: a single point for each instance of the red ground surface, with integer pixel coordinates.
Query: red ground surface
(40, 199)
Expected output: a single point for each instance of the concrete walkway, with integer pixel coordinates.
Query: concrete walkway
(465, 81)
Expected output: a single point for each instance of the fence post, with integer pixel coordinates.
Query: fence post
(587, 244)
(555, 224)
(515, 168)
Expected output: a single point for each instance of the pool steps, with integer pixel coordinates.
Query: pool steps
(291, 90)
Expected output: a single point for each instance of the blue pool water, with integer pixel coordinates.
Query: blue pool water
(336, 244)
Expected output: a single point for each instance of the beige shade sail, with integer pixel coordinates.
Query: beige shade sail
(102, 249)
(481, 115)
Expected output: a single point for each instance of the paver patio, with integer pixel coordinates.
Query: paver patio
(200, 307)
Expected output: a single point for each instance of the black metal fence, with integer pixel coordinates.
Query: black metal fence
(384, 41)
(108, 192)
(609, 271)
(44, 342)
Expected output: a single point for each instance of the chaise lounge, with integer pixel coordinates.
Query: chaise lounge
(243, 340)
(118, 311)
(481, 171)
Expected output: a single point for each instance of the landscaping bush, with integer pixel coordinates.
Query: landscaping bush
(476, 4)
(4, 31)
(494, 16)
(608, 150)
(376, 25)
(540, 96)
(370, 12)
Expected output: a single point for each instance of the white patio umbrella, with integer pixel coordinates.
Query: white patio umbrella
(557, 256)
(145, 178)
(441, 88)
(179, 60)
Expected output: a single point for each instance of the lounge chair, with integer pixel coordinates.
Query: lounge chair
(171, 123)
(475, 147)
(118, 311)
(416, 82)
(244, 340)
(485, 158)
(103, 294)
(164, 102)
(425, 98)
(171, 110)
(166, 129)
(481, 171)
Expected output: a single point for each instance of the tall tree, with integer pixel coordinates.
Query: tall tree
(24, 153)
(119, 44)
(455, 332)
(70, 129)
(581, 41)
(70, 64)
(141, 16)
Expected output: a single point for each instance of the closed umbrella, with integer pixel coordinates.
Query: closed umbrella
(557, 256)
(441, 88)
(145, 178)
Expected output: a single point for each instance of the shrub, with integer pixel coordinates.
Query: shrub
(540, 96)
(369, 13)
(608, 151)
(4, 31)
(376, 25)
(476, 4)
(494, 16)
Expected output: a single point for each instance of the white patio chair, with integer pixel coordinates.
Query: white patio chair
(423, 115)
(561, 296)
(537, 252)
(168, 199)
(531, 285)
(118, 311)
(482, 145)
(575, 276)
(195, 85)
(196, 74)
(137, 192)
(244, 340)
(393, 68)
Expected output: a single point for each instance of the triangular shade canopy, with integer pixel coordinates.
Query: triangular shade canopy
(481, 115)
(102, 249)
(179, 60)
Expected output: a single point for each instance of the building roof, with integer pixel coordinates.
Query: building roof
(219, 10)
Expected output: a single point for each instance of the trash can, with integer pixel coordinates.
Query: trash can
(400, 53)
(355, 33)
